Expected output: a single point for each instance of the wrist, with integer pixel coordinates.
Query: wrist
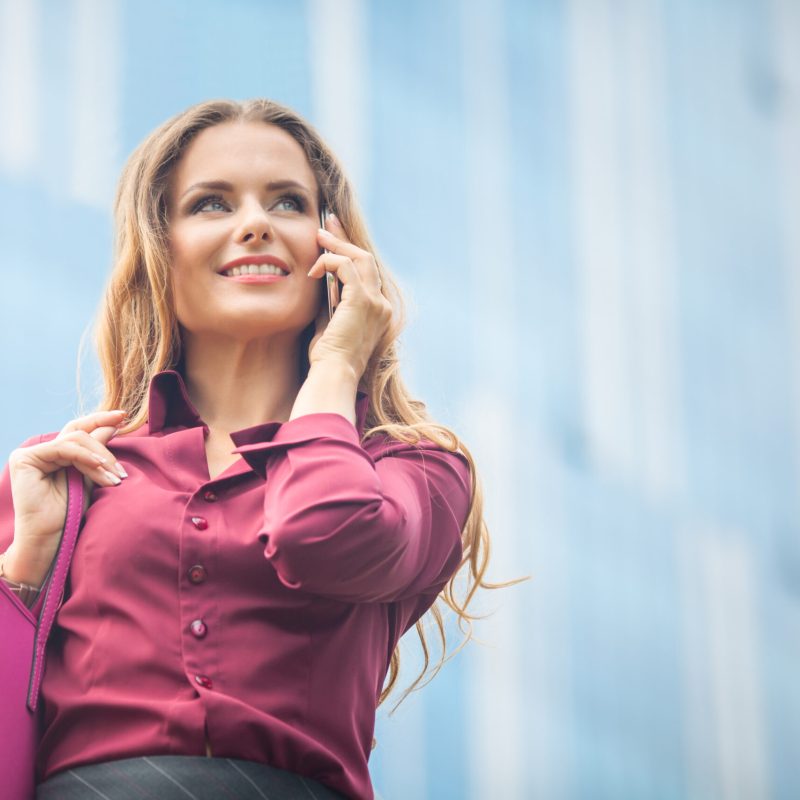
(330, 387)
(18, 567)
(338, 369)
(27, 593)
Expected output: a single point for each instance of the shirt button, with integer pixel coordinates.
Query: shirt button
(201, 523)
(209, 496)
(204, 681)
(199, 628)
(197, 573)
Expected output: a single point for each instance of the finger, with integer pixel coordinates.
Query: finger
(54, 455)
(363, 259)
(99, 468)
(336, 242)
(104, 434)
(341, 266)
(334, 225)
(101, 452)
(95, 420)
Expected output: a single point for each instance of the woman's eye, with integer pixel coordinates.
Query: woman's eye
(295, 200)
(215, 203)
(208, 201)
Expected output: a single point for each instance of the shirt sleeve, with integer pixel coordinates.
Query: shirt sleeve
(358, 523)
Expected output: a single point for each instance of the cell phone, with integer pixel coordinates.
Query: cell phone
(333, 290)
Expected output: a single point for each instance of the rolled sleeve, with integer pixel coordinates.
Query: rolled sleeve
(376, 522)
(257, 444)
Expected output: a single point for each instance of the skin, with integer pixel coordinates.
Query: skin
(241, 341)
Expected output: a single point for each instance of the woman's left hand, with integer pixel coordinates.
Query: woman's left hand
(363, 314)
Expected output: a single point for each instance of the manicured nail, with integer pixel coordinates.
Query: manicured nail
(120, 469)
(113, 478)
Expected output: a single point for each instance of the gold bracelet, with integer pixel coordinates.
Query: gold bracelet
(26, 593)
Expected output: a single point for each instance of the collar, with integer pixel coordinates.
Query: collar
(169, 405)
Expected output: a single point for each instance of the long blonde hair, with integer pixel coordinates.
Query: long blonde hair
(137, 333)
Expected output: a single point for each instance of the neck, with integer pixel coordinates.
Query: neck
(236, 387)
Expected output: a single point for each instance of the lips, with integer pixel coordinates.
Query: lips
(262, 259)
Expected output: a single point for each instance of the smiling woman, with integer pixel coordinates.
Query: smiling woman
(284, 510)
(243, 331)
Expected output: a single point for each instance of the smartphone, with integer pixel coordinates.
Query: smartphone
(331, 279)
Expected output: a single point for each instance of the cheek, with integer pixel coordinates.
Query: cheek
(307, 247)
(188, 255)
(179, 252)
(193, 245)
(180, 272)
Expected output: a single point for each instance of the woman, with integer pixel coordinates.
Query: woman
(267, 510)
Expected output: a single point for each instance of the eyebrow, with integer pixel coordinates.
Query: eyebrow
(224, 186)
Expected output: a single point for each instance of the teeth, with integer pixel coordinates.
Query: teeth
(254, 269)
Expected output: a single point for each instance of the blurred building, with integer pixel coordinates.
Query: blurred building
(592, 207)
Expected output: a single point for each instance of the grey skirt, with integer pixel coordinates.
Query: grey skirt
(164, 777)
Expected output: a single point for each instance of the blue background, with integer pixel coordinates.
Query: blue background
(592, 207)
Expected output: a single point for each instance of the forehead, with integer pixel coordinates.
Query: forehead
(239, 151)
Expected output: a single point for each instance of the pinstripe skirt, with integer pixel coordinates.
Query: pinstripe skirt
(165, 777)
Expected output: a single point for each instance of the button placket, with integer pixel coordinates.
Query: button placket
(197, 574)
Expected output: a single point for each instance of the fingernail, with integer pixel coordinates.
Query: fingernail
(112, 477)
(120, 469)
(326, 233)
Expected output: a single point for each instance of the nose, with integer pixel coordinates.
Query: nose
(255, 224)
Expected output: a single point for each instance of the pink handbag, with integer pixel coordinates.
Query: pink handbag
(22, 663)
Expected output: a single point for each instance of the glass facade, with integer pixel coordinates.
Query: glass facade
(592, 208)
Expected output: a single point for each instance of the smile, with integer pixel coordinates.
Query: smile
(254, 269)
(250, 277)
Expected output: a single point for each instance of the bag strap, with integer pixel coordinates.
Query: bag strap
(54, 591)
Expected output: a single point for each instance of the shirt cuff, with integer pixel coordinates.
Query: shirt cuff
(258, 443)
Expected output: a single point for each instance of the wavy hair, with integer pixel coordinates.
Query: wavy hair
(137, 333)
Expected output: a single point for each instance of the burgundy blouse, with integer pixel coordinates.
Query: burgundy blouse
(262, 606)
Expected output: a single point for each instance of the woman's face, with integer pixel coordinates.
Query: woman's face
(243, 215)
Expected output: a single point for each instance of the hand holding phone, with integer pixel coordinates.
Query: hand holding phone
(331, 280)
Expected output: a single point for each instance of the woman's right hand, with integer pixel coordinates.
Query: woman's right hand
(39, 482)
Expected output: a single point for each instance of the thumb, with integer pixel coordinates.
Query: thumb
(105, 433)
